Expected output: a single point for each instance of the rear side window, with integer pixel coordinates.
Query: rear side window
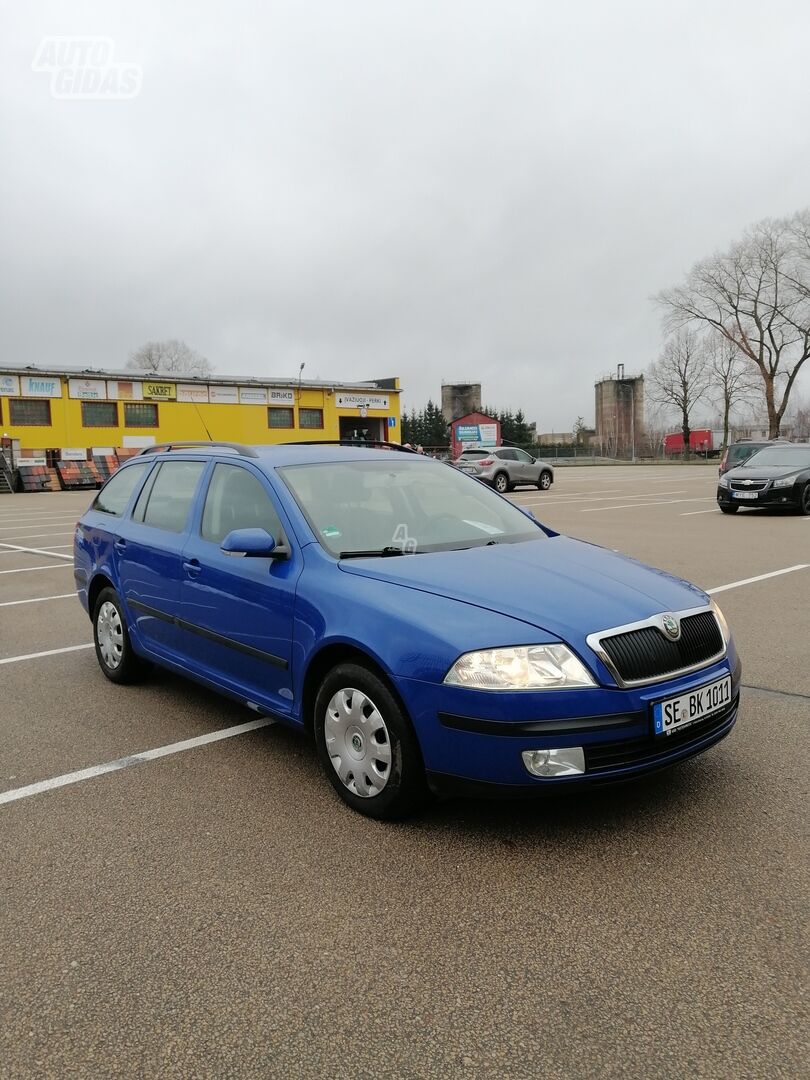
(237, 500)
(114, 496)
(169, 501)
(507, 455)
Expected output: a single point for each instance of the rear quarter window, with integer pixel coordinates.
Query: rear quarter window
(115, 495)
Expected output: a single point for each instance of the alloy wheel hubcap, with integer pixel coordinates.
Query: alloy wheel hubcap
(357, 742)
(110, 635)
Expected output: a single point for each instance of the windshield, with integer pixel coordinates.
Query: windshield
(406, 507)
(780, 456)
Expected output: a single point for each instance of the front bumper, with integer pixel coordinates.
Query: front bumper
(473, 740)
(770, 496)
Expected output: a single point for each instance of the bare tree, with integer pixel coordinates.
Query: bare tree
(757, 294)
(733, 380)
(680, 377)
(168, 358)
(655, 428)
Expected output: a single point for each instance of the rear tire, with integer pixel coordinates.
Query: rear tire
(501, 483)
(366, 745)
(114, 652)
(728, 509)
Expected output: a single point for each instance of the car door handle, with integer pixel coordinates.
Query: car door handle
(192, 567)
(120, 546)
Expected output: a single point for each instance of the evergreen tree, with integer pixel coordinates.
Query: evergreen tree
(522, 435)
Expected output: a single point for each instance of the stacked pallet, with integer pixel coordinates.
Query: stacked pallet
(34, 478)
(74, 475)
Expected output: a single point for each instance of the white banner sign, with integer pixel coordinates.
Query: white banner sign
(25, 462)
(38, 386)
(124, 390)
(102, 451)
(87, 389)
(9, 386)
(73, 453)
(134, 442)
(358, 401)
(223, 395)
(192, 392)
(281, 397)
(253, 395)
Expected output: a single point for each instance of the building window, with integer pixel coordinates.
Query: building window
(310, 418)
(140, 414)
(280, 418)
(99, 414)
(25, 413)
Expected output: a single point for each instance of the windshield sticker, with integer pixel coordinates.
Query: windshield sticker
(331, 532)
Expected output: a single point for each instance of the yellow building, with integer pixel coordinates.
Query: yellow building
(55, 413)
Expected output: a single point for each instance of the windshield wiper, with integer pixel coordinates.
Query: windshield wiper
(379, 552)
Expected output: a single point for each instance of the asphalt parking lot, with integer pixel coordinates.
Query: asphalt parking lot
(217, 912)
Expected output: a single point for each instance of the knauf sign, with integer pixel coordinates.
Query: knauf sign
(34, 386)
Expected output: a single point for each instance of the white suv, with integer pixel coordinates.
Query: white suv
(505, 467)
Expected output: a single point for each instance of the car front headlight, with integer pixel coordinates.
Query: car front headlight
(520, 667)
(786, 481)
(722, 482)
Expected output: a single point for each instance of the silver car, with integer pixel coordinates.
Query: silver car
(505, 467)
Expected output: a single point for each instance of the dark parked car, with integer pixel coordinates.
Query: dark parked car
(739, 452)
(779, 475)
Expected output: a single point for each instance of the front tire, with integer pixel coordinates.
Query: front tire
(366, 745)
(114, 652)
(804, 505)
(544, 483)
(728, 509)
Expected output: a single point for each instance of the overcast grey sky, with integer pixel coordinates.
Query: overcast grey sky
(478, 191)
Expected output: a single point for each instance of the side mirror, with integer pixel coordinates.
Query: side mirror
(255, 543)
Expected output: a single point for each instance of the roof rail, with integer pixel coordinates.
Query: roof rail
(243, 451)
(352, 442)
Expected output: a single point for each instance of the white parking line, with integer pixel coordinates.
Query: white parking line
(17, 525)
(637, 505)
(691, 513)
(30, 536)
(37, 599)
(47, 652)
(759, 577)
(33, 551)
(29, 569)
(132, 759)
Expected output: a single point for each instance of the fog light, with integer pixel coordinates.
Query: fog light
(567, 761)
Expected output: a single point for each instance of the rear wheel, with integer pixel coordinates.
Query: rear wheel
(113, 647)
(366, 744)
(728, 509)
(544, 483)
(501, 483)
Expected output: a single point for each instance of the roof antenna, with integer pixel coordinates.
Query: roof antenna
(207, 432)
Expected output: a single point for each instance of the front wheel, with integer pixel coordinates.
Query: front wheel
(366, 744)
(113, 647)
(728, 509)
(501, 483)
(544, 483)
(804, 505)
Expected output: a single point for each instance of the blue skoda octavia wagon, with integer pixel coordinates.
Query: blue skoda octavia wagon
(430, 634)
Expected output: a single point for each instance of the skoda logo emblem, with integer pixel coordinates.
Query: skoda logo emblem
(670, 625)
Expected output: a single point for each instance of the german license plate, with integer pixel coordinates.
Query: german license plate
(745, 494)
(678, 712)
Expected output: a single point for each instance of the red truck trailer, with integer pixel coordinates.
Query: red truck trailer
(703, 441)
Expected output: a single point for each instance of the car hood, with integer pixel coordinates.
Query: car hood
(566, 587)
(763, 472)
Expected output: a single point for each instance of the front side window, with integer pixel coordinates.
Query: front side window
(236, 499)
(414, 505)
(114, 496)
(278, 417)
(527, 459)
(140, 414)
(99, 414)
(310, 418)
(25, 413)
(168, 503)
